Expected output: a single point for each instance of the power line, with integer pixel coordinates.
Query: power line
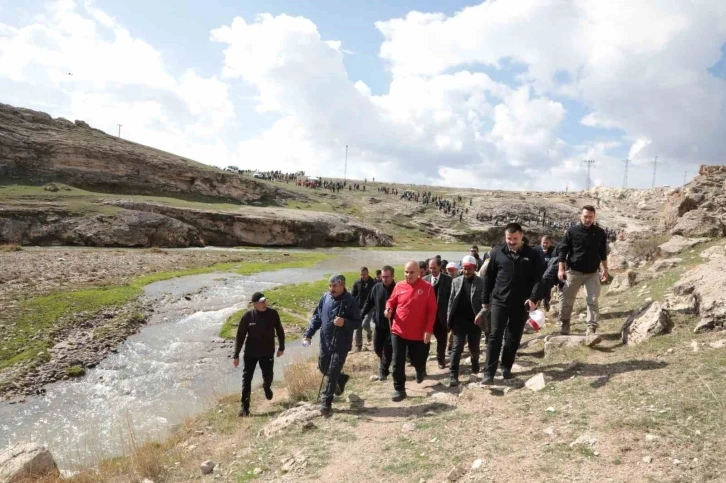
(625, 175)
(655, 167)
(345, 172)
(589, 163)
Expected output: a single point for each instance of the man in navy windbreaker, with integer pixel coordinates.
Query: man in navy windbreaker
(337, 316)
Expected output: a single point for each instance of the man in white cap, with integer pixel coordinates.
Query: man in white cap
(463, 315)
(452, 270)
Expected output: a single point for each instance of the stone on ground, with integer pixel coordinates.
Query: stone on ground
(701, 291)
(623, 281)
(477, 464)
(665, 264)
(585, 439)
(457, 472)
(699, 223)
(292, 417)
(651, 320)
(556, 343)
(536, 383)
(678, 243)
(25, 461)
(207, 467)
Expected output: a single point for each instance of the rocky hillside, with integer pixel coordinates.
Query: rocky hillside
(36, 148)
(698, 208)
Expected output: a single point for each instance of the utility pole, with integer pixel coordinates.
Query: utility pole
(655, 167)
(345, 172)
(119, 130)
(625, 176)
(685, 176)
(589, 163)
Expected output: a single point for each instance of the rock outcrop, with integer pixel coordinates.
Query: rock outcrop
(295, 416)
(706, 193)
(622, 282)
(698, 223)
(701, 291)
(677, 243)
(146, 224)
(651, 320)
(36, 148)
(25, 462)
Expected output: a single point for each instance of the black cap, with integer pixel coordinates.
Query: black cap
(258, 297)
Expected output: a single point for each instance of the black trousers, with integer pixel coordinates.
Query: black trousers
(383, 348)
(441, 333)
(464, 332)
(416, 349)
(511, 320)
(332, 366)
(248, 371)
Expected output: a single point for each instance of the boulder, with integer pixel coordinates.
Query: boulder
(699, 223)
(536, 383)
(556, 343)
(677, 206)
(292, 417)
(665, 264)
(678, 243)
(651, 320)
(207, 467)
(702, 289)
(622, 282)
(718, 251)
(25, 462)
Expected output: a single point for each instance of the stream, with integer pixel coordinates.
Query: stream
(174, 368)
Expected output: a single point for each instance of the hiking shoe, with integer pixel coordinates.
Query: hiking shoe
(268, 392)
(243, 412)
(565, 328)
(442, 365)
(399, 396)
(420, 375)
(475, 369)
(342, 381)
(507, 374)
(325, 410)
(453, 381)
(487, 379)
(591, 337)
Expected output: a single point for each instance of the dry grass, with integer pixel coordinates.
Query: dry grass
(647, 248)
(10, 247)
(302, 379)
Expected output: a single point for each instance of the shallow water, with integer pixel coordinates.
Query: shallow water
(173, 368)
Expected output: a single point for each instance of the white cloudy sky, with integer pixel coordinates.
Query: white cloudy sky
(502, 94)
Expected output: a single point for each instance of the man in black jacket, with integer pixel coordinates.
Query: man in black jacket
(546, 250)
(442, 288)
(258, 327)
(581, 253)
(511, 289)
(361, 290)
(376, 304)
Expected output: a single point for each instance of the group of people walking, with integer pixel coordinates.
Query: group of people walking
(488, 298)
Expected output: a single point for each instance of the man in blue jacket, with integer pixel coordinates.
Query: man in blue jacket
(337, 316)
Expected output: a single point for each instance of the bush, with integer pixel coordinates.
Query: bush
(302, 379)
(10, 247)
(75, 371)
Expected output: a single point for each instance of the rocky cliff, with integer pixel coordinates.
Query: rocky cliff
(698, 208)
(36, 148)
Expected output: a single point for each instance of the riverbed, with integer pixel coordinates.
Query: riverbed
(174, 368)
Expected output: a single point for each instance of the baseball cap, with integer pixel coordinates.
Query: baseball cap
(258, 297)
(468, 260)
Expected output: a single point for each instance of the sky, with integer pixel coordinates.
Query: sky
(493, 95)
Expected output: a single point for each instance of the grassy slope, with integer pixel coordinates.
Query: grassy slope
(39, 316)
(615, 394)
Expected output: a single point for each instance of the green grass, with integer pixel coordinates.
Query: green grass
(294, 302)
(75, 371)
(41, 315)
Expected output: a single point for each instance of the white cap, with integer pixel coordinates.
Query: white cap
(451, 265)
(468, 260)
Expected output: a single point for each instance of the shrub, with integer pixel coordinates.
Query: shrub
(302, 379)
(75, 371)
(10, 247)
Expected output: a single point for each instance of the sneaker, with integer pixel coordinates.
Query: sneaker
(325, 410)
(342, 381)
(591, 337)
(243, 412)
(487, 379)
(268, 392)
(507, 374)
(453, 381)
(420, 375)
(565, 328)
(399, 396)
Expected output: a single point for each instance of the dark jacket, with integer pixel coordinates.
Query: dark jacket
(328, 308)
(476, 300)
(443, 293)
(259, 328)
(545, 255)
(377, 300)
(509, 281)
(584, 248)
(361, 290)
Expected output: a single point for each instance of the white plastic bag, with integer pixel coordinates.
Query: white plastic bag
(536, 320)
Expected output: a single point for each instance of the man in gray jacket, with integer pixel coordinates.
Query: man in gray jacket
(465, 317)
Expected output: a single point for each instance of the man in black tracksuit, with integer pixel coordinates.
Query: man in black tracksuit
(512, 289)
(442, 288)
(258, 327)
(376, 303)
(361, 290)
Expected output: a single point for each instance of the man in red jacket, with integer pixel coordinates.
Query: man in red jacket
(412, 308)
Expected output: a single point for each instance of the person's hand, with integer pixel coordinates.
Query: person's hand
(486, 306)
(561, 274)
(339, 322)
(427, 337)
(280, 353)
(479, 320)
(235, 362)
(604, 276)
(306, 341)
(531, 306)
(387, 313)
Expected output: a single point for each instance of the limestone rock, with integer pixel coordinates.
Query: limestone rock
(698, 223)
(622, 282)
(536, 383)
(704, 286)
(717, 251)
(25, 461)
(677, 206)
(665, 263)
(207, 467)
(291, 417)
(556, 343)
(678, 243)
(457, 472)
(651, 320)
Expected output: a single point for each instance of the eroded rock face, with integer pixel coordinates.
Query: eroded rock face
(705, 193)
(701, 291)
(36, 147)
(677, 243)
(25, 462)
(698, 223)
